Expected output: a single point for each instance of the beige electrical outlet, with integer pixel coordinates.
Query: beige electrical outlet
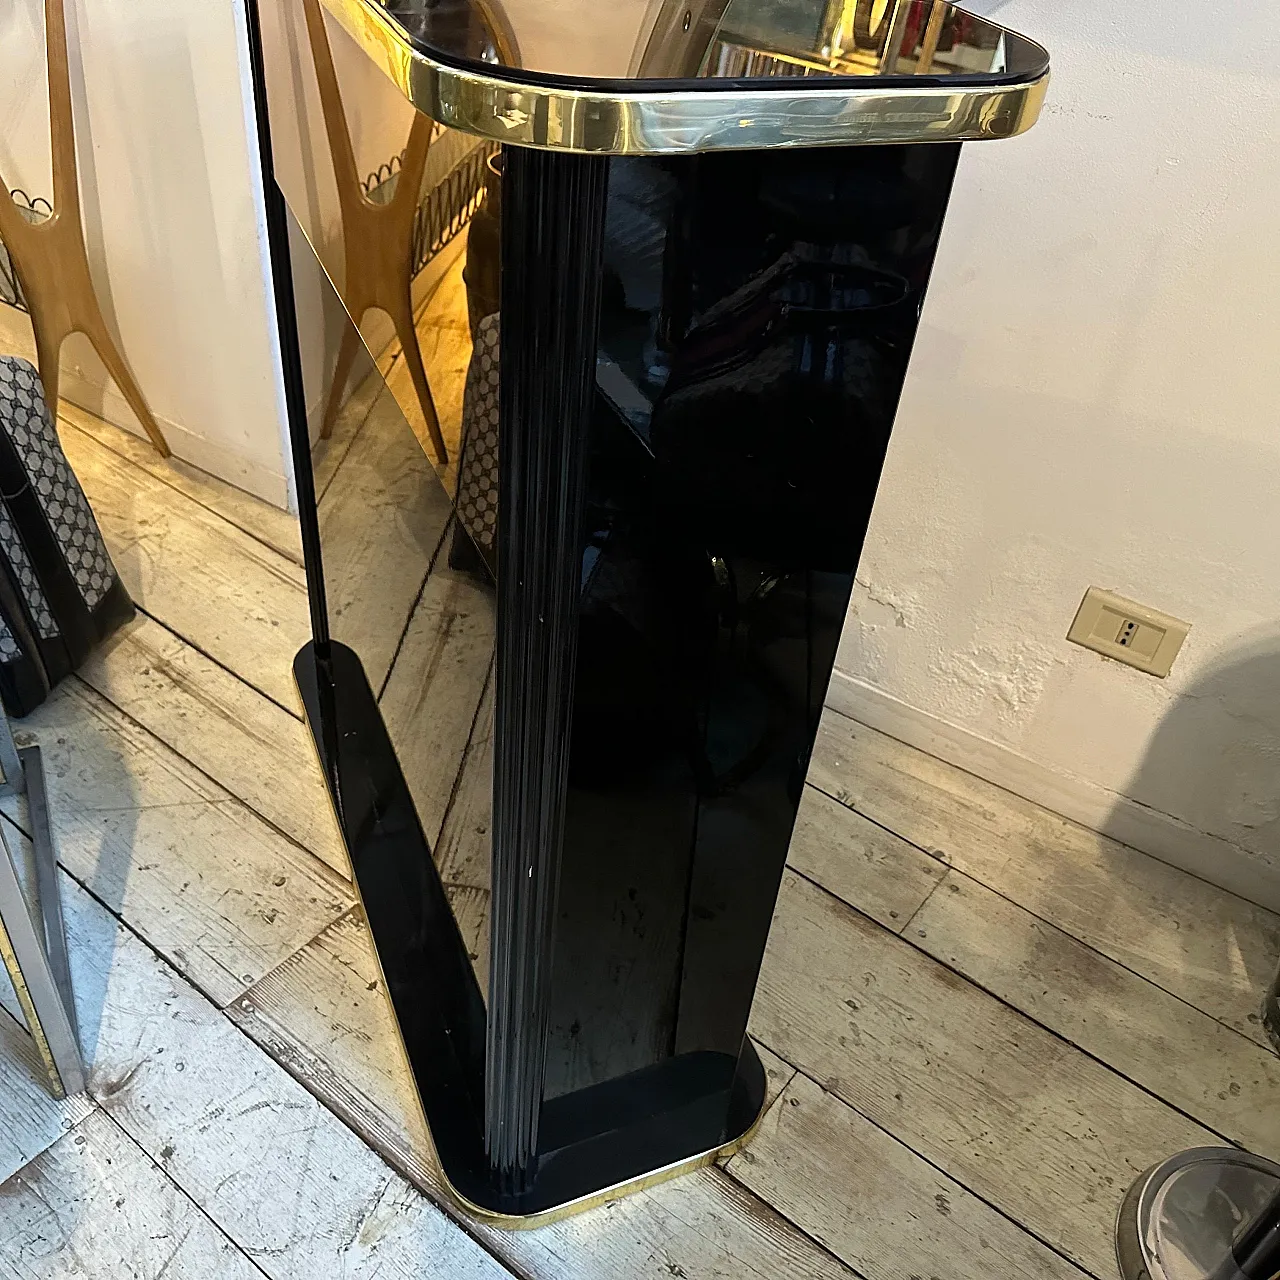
(1128, 632)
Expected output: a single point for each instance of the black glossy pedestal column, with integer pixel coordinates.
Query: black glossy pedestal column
(700, 345)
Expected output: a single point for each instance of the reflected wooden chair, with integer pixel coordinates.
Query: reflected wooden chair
(49, 256)
(377, 239)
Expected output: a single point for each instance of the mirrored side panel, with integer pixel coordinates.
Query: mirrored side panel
(728, 39)
(408, 590)
(389, 287)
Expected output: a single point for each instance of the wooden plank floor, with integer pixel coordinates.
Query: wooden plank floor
(980, 1021)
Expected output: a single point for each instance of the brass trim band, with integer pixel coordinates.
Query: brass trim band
(683, 121)
(619, 1191)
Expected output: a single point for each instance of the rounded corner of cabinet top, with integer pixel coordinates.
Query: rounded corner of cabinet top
(1033, 100)
(497, 105)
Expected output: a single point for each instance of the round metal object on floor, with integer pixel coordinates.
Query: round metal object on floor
(1181, 1219)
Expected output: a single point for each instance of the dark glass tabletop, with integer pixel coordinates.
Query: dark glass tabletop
(717, 43)
(662, 77)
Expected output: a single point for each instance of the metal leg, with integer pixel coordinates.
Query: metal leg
(46, 860)
(23, 951)
(1210, 1213)
(34, 946)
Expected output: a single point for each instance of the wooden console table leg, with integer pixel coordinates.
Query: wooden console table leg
(377, 238)
(50, 257)
(347, 353)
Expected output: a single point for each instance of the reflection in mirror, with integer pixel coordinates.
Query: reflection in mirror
(478, 30)
(853, 38)
(407, 588)
(733, 39)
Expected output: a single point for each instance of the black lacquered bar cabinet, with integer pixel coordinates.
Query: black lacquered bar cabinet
(577, 585)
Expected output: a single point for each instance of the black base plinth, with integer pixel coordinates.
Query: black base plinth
(593, 1144)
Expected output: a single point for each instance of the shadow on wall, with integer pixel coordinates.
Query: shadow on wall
(1214, 764)
(1214, 760)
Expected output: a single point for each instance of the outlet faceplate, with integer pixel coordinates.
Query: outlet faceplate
(1128, 632)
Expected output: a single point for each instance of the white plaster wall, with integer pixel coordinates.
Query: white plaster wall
(1094, 398)
(172, 208)
(604, 49)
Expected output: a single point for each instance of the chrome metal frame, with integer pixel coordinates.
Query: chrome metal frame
(642, 121)
(33, 944)
(1136, 1256)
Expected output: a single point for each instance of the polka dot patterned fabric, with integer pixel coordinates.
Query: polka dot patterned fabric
(477, 496)
(26, 420)
(13, 551)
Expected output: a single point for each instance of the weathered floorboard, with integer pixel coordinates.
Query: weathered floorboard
(228, 594)
(245, 742)
(371, 395)
(1214, 950)
(435, 687)
(381, 521)
(464, 847)
(1221, 1077)
(94, 1206)
(256, 517)
(324, 1015)
(292, 1187)
(876, 1204)
(200, 877)
(1024, 1120)
(30, 1119)
(873, 870)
